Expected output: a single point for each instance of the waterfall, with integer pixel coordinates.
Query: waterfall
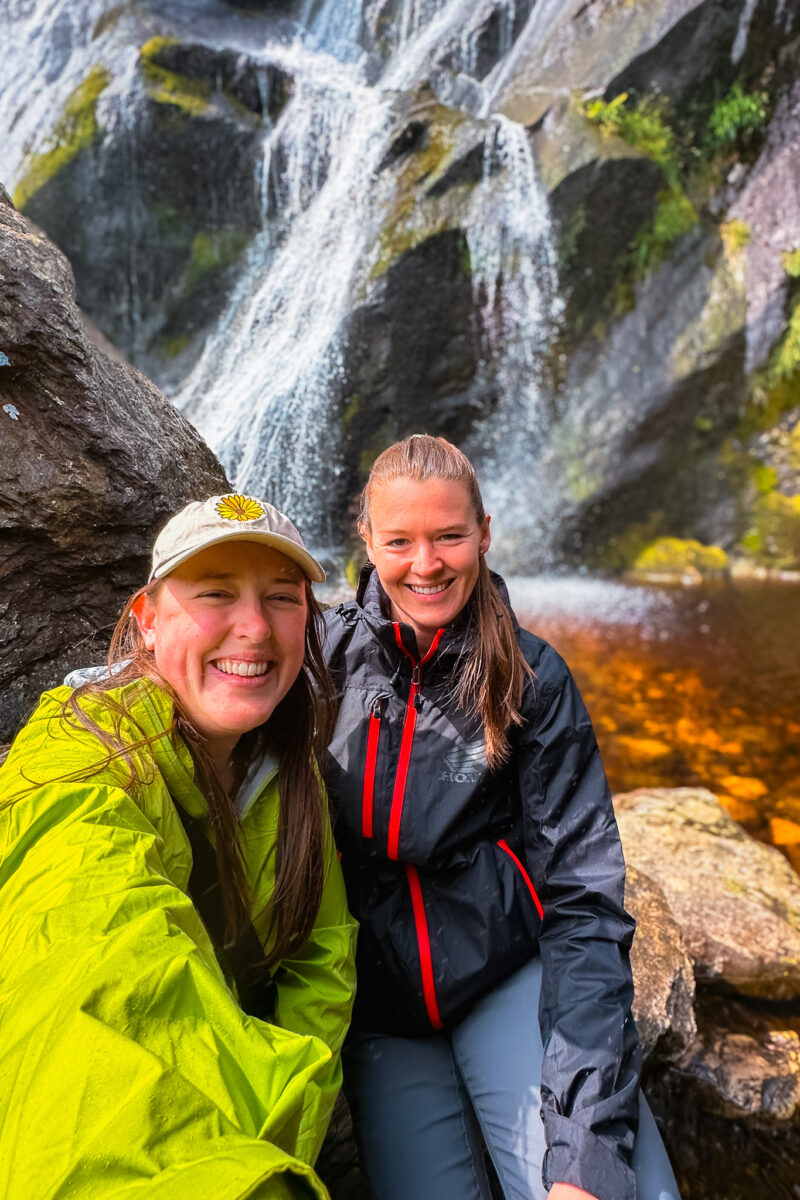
(265, 391)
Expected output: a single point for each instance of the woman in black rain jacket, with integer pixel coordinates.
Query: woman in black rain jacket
(483, 863)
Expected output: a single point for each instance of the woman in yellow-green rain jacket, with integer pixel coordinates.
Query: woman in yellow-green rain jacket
(129, 1065)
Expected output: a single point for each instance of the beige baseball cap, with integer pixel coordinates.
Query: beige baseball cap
(224, 519)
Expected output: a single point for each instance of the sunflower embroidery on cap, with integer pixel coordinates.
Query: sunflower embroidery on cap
(239, 508)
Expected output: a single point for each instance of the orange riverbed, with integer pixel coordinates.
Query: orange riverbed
(687, 686)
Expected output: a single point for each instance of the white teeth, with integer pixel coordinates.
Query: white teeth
(429, 591)
(234, 666)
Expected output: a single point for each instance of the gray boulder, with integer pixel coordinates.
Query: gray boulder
(95, 460)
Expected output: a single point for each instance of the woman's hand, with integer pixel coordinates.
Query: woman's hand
(565, 1191)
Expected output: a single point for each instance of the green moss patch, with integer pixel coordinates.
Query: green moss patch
(643, 126)
(175, 345)
(791, 263)
(735, 236)
(672, 555)
(352, 570)
(736, 121)
(774, 537)
(75, 131)
(192, 96)
(213, 252)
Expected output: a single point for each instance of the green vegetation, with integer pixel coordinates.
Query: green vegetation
(671, 555)
(416, 216)
(774, 536)
(765, 479)
(213, 252)
(735, 235)
(352, 569)
(352, 410)
(688, 150)
(192, 96)
(791, 263)
(75, 130)
(644, 127)
(736, 120)
(785, 360)
(674, 216)
(175, 345)
(621, 550)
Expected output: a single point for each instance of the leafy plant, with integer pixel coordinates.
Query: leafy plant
(735, 120)
(643, 126)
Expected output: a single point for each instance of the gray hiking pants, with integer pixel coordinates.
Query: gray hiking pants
(423, 1107)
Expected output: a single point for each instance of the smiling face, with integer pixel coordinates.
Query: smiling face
(425, 541)
(227, 629)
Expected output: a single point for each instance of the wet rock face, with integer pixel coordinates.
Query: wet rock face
(731, 1114)
(675, 228)
(411, 364)
(662, 973)
(94, 462)
(171, 177)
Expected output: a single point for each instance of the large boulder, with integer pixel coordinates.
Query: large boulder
(95, 460)
(727, 1096)
(737, 901)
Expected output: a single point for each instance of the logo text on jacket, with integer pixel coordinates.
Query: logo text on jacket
(464, 764)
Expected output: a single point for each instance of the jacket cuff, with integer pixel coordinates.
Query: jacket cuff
(576, 1156)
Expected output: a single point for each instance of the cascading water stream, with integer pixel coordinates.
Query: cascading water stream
(266, 388)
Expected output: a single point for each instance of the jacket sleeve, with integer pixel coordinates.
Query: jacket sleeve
(126, 1066)
(314, 996)
(590, 1071)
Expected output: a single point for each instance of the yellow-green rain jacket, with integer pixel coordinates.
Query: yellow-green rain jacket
(127, 1067)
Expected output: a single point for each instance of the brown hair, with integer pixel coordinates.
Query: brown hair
(492, 668)
(298, 731)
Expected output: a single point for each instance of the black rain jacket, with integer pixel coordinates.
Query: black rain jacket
(457, 873)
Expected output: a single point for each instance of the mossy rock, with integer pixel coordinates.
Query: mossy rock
(674, 556)
(76, 130)
(190, 75)
(165, 86)
(773, 539)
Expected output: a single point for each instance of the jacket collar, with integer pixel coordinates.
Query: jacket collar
(175, 763)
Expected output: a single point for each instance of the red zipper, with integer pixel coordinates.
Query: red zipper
(424, 942)
(503, 844)
(398, 794)
(369, 774)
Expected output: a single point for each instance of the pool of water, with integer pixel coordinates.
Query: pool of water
(687, 686)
